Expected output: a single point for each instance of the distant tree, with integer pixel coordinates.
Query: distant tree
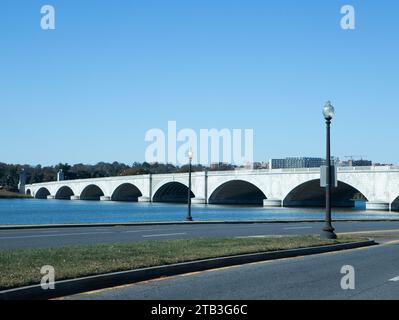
(194, 168)
(134, 171)
(9, 173)
(222, 167)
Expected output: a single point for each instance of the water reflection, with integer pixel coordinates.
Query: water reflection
(35, 211)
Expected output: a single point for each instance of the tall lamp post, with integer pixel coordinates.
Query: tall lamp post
(328, 230)
(190, 158)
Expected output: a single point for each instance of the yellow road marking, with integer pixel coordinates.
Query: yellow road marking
(391, 242)
(369, 232)
(106, 289)
(189, 274)
(127, 285)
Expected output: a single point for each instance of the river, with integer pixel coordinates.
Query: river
(35, 211)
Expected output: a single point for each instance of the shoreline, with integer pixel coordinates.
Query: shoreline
(22, 197)
(156, 223)
(7, 195)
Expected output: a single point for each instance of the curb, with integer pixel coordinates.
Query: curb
(75, 286)
(166, 223)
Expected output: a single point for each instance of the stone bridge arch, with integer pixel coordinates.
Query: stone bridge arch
(42, 193)
(310, 194)
(237, 191)
(64, 193)
(91, 192)
(248, 182)
(395, 203)
(126, 192)
(172, 191)
(360, 183)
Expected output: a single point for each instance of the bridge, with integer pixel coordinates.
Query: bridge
(378, 186)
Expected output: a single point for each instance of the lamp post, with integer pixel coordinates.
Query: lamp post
(328, 230)
(190, 158)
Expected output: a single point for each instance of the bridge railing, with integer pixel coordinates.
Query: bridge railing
(302, 170)
(234, 172)
(369, 168)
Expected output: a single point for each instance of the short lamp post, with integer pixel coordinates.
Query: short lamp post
(190, 159)
(328, 230)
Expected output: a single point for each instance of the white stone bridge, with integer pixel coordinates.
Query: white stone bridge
(272, 188)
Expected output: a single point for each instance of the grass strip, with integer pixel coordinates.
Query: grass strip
(22, 267)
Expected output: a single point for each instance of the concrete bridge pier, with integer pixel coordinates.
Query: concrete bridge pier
(50, 197)
(198, 200)
(272, 203)
(144, 199)
(378, 206)
(105, 198)
(75, 198)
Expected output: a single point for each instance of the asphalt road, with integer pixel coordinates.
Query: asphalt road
(58, 237)
(311, 277)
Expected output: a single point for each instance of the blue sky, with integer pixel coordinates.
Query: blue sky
(89, 90)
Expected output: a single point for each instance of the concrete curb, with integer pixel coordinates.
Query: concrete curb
(75, 286)
(166, 223)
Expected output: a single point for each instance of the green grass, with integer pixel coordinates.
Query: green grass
(22, 267)
(4, 194)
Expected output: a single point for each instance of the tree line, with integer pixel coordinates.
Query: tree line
(9, 173)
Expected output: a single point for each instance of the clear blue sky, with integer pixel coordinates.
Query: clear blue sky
(88, 91)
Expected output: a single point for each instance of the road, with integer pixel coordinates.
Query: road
(311, 277)
(58, 237)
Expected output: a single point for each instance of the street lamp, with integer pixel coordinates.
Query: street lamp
(328, 230)
(190, 158)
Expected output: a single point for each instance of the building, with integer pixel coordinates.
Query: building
(296, 162)
(356, 163)
(362, 163)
